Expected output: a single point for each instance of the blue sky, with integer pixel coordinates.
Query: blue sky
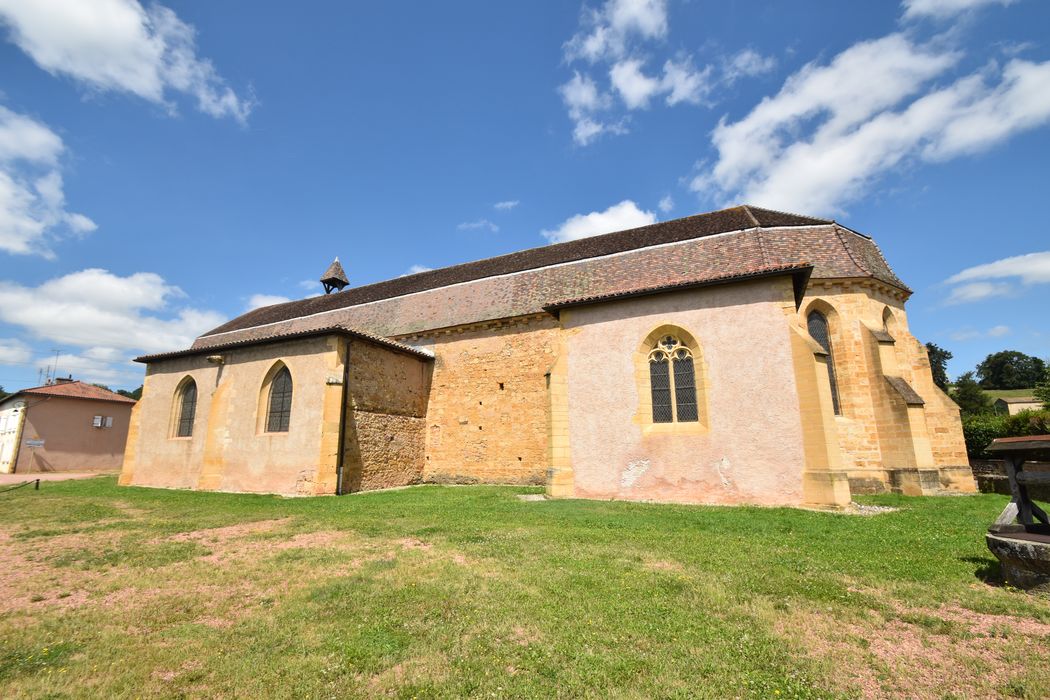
(165, 167)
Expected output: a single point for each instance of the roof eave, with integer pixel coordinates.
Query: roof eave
(391, 345)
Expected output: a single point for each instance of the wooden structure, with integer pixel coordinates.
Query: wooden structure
(1023, 548)
(1015, 452)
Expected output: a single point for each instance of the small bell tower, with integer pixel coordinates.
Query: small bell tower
(334, 278)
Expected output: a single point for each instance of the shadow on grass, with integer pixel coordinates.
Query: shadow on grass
(986, 570)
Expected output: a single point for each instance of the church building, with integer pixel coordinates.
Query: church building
(739, 356)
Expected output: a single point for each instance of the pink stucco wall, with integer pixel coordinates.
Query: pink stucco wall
(752, 451)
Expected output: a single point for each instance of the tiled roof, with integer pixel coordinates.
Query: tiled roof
(735, 219)
(77, 390)
(1017, 399)
(734, 242)
(292, 335)
(800, 270)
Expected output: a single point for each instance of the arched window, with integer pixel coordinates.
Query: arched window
(279, 410)
(817, 323)
(672, 380)
(186, 404)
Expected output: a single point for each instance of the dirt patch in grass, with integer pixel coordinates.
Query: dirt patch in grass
(221, 535)
(913, 652)
(413, 543)
(28, 580)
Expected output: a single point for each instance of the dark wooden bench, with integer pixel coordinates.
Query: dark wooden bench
(1030, 517)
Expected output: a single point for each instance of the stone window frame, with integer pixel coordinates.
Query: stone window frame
(831, 319)
(263, 414)
(644, 415)
(178, 408)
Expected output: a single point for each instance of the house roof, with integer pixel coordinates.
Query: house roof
(76, 390)
(292, 335)
(1018, 399)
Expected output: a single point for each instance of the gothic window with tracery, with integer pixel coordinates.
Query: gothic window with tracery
(672, 381)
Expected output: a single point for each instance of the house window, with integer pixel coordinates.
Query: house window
(672, 381)
(187, 407)
(817, 324)
(279, 411)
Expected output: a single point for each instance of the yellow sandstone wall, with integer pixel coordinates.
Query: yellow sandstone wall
(488, 414)
(885, 443)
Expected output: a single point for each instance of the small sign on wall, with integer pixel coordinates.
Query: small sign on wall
(34, 443)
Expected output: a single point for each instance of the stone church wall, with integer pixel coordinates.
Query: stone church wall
(885, 443)
(229, 449)
(748, 445)
(386, 418)
(488, 411)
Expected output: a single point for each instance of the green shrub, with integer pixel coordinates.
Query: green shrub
(980, 430)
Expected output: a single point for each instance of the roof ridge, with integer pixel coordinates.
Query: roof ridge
(788, 213)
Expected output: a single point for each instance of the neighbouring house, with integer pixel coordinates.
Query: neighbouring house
(1012, 405)
(739, 356)
(65, 426)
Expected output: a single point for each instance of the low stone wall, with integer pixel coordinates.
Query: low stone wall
(991, 477)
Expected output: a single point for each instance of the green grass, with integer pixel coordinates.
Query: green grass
(467, 591)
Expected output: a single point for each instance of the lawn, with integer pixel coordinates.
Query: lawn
(442, 591)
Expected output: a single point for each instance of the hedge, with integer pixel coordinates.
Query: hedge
(980, 430)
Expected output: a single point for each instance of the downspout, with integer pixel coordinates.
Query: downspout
(342, 423)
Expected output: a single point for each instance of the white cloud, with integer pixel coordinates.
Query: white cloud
(119, 45)
(32, 201)
(478, 225)
(257, 301)
(972, 283)
(666, 204)
(767, 157)
(619, 217)
(747, 64)
(1033, 268)
(584, 101)
(680, 80)
(416, 269)
(972, 334)
(978, 291)
(96, 309)
(684, 83)
(507, 205)
(635, 87)
(14, 352)
(619, 36)
(607, 30)
(310, 285)
(941, 9)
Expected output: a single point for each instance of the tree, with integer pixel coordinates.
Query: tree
(137, 394)
(1010, 369)
(939, 364)
(1042, 389)
(3, 394)
(970, 397)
